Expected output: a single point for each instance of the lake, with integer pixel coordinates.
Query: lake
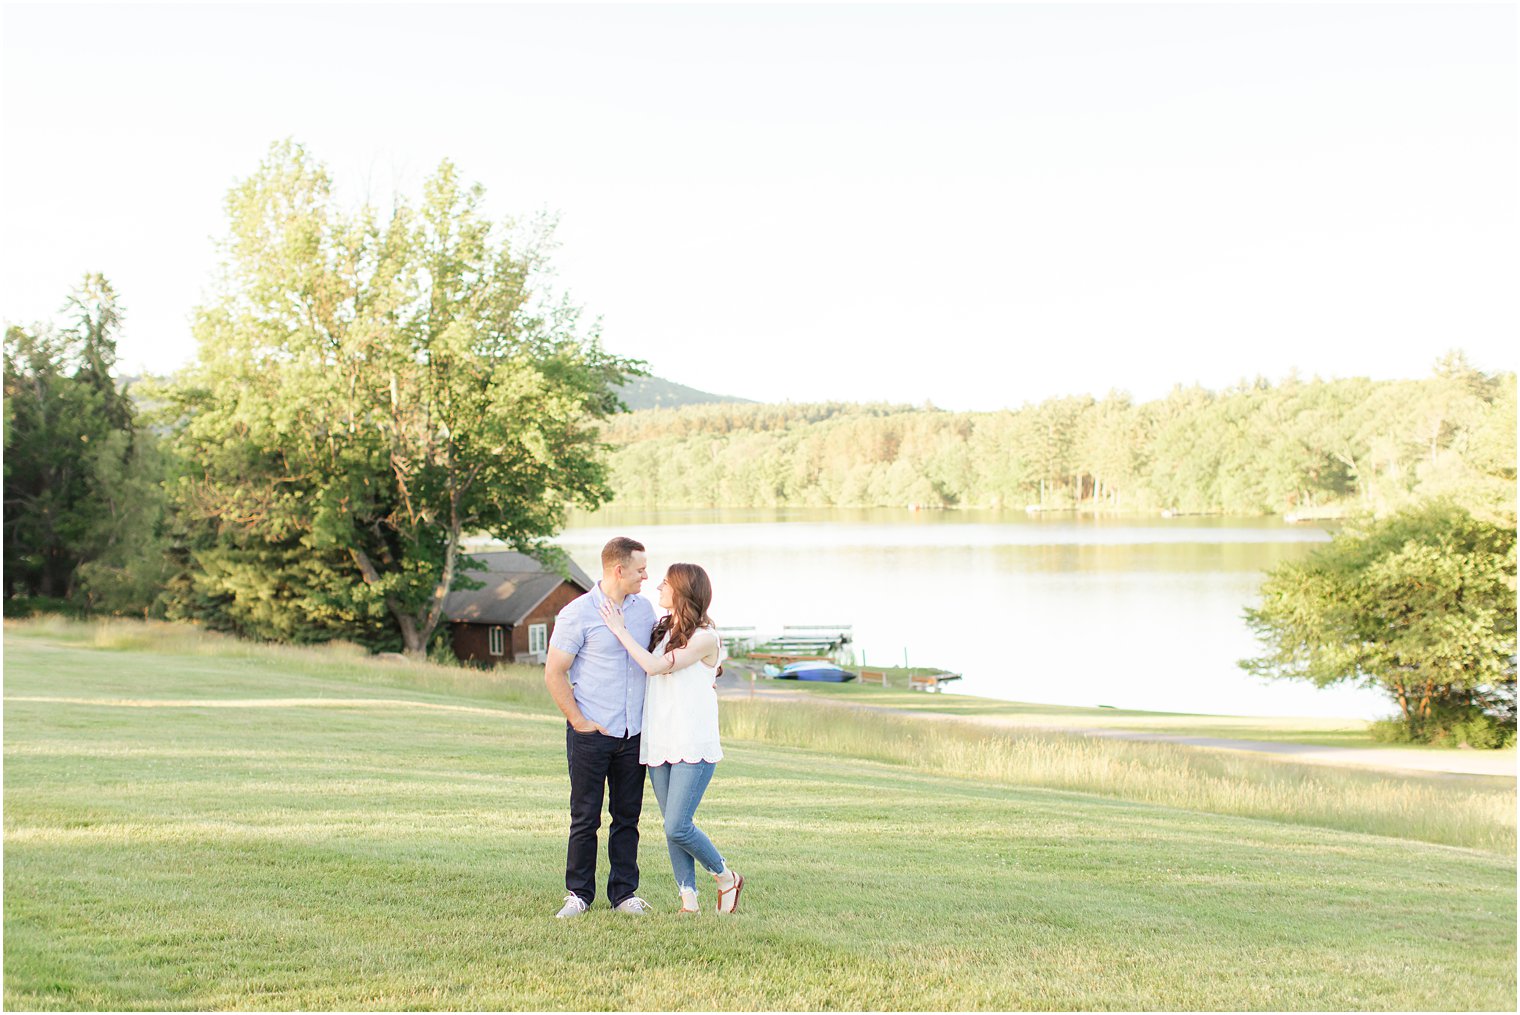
(1129, 612)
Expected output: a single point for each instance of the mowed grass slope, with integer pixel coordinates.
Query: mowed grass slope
(203, 827)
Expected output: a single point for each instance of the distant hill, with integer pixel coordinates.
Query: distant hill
(657, 393)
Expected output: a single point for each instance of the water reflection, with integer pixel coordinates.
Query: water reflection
(1134, 613)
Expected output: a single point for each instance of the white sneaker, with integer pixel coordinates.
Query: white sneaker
(574, 906)
(635, 905)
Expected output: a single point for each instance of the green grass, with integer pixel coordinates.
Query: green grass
(1475, 811)
(192, 822)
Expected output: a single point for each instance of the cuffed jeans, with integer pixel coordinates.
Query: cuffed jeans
(679, 788)
(599, 763)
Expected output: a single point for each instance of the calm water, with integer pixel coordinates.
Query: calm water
(1134, 613)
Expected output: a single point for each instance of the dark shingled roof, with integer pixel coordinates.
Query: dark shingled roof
(514, 584)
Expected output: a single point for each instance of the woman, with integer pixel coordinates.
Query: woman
(680, 739)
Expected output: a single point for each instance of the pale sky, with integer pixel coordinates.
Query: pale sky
(974, 205)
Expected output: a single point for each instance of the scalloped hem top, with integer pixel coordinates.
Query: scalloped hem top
(681, 716)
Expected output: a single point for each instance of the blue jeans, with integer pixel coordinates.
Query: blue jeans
(679, 788)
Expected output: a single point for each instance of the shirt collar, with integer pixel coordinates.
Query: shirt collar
(599, 595)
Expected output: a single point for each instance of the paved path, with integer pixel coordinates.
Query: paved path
(1498, 763)
(1402, 759)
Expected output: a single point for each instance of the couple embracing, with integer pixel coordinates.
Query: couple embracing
(638, 695)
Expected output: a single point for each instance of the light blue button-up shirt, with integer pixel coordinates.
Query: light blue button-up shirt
(608, 684)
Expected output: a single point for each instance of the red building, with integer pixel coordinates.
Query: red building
(510, 618)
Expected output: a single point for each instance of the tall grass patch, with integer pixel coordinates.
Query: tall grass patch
(1452, 810)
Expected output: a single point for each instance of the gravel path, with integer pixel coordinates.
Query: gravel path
(1492, 763)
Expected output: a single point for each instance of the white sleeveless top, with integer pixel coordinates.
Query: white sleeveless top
(681, 715)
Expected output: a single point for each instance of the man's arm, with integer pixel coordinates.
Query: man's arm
(557, 677)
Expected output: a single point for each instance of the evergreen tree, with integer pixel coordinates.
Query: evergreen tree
(77, 489)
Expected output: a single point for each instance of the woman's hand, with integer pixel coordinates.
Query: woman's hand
(613, 616)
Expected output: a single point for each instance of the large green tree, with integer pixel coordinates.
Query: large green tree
(1420, 605)
(370, 390)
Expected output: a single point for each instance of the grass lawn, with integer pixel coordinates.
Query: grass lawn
(192, 823)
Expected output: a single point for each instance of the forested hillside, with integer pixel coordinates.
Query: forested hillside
(1298, 446)
(658, 393)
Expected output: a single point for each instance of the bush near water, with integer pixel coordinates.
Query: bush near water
(1419, 605)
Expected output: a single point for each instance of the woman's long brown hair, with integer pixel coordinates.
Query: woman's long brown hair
(691, 594)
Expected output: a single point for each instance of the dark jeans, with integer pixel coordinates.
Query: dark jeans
(599, 763)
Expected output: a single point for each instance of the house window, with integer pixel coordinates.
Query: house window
(498, 642)
(538, 640)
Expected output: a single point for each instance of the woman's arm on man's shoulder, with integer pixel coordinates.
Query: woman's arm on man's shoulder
(703, 643)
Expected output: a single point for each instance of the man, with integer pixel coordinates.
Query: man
(599, 687)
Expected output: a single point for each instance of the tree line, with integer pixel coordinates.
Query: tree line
(1257, 448)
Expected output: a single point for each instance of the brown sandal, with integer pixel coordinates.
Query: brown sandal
(737, 885)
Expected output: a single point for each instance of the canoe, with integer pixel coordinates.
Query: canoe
(816, 671)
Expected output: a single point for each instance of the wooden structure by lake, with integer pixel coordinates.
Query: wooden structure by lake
(512, 616)
(799, 642)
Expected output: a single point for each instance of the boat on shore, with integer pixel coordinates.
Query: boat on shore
(816, 670)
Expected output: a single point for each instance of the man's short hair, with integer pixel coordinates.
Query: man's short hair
(619, 551)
